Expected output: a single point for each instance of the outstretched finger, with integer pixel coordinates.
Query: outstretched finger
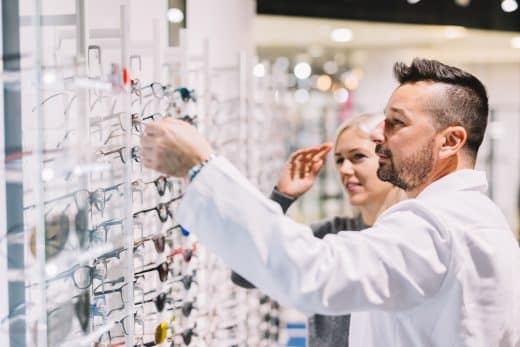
(300, 161)
(323, 151)
(316, 167)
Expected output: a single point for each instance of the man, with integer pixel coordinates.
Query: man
(439, 269)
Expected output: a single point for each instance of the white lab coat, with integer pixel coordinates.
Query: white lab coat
(439, 270)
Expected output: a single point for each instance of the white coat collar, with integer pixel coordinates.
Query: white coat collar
(458, 180)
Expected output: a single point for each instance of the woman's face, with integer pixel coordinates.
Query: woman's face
(357, 165)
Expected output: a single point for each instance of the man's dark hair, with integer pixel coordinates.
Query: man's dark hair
(464, 102)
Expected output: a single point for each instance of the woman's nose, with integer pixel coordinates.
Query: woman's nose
(346, 168)
(377, 135)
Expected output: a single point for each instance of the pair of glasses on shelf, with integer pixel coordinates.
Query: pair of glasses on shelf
(124, 323)
(180, 98)
(159, 91)
(57, 230)
(186, 253)
(83, 198)
(125, 154)
(162, 210)
(160, 335)
(67, 100)
(83, 275)
(101, 293)
(137, 123)
(186, 336)
(177, 227)
(60, 319)
(104, 228)
(161, 183)
(154, 89)
(162, 299)
(159, 242)
(163, 268)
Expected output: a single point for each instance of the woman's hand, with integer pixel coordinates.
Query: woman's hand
(301, 169)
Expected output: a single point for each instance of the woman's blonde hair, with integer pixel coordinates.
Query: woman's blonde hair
(396, 194)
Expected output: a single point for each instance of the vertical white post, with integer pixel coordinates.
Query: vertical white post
(183, 45)
(128, 222)
(206, 71)
(4, 301)
(157, 45)
(38, 186)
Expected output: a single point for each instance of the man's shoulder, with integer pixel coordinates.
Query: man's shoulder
(455, 212)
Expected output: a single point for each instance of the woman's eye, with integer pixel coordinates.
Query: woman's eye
(339, 161)
(358, 156)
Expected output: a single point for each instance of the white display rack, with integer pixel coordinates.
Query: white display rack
(88, 230)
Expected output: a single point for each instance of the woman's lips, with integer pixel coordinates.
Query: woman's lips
(352, 187)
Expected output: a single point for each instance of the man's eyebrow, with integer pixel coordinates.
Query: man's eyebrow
(398, 111)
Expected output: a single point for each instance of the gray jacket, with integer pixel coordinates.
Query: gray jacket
(324, 331)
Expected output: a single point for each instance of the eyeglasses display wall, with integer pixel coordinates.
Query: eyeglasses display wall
(93, 253)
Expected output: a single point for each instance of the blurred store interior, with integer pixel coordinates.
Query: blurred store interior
(350, 47)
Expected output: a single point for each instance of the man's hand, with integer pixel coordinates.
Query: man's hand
(301, 169)
(173, 147)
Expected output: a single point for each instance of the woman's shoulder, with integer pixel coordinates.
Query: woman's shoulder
(337, 224)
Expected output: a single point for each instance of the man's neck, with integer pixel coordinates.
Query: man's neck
(439, 171)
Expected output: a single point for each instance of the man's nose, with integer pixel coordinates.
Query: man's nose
(377, 135)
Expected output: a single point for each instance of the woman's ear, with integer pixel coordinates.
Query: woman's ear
(453, 139)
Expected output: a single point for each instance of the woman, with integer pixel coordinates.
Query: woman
(357, 164)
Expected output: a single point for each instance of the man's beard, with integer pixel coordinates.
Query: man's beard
(412, 171)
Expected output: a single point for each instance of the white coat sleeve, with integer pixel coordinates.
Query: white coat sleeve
(398, 263)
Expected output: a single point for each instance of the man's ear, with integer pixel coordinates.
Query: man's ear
(453, 139)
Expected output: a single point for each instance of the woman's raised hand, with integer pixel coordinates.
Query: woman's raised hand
(301, 169)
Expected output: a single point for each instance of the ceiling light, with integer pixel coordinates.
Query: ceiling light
(302, 70)
(47, 174)
(515, 42)
(330, 67)
(49, 77)
(341, 35)
(358, 72)
(455, 32)
(323, 83)
(350, 80)
(175, 15)
(463, 3)
(413, 1)
(509, 5)
(341, 95)
(259, 70)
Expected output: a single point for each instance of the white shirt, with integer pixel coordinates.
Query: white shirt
(439, 270)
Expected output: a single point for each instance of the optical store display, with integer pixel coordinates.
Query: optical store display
(97, 253)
